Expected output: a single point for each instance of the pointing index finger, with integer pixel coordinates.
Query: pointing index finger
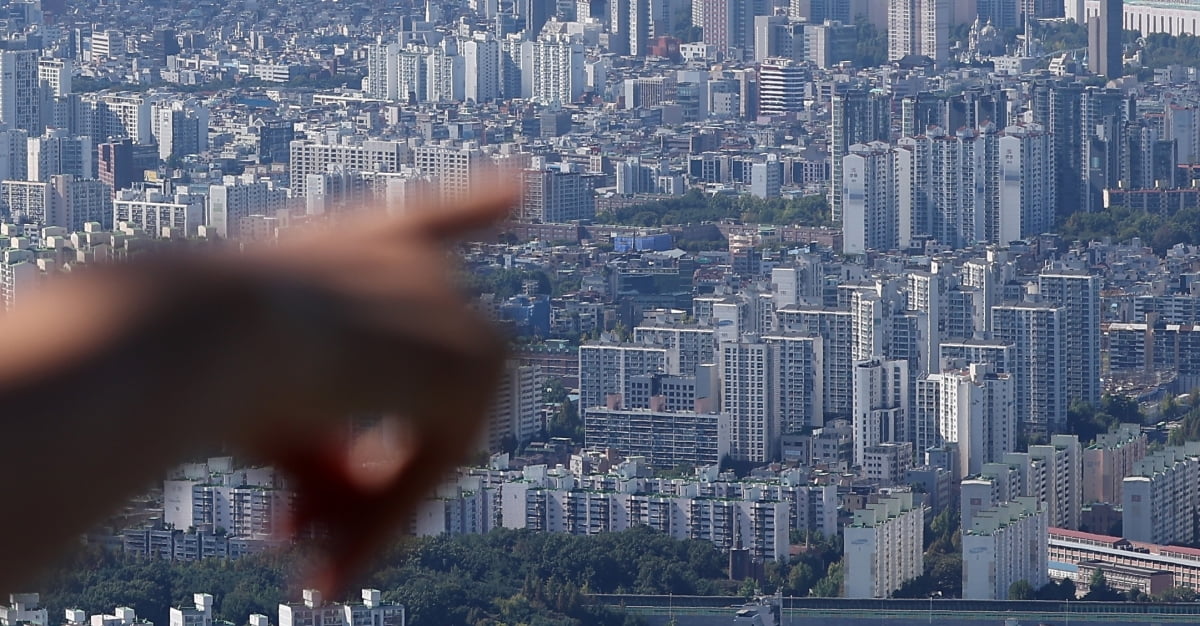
(485, 205)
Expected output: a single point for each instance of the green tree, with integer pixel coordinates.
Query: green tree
(1176, 594)
(1021, 590)
(831, 585)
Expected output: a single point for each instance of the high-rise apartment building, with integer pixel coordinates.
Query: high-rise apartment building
(745, 370)
(1109, 460)
(1038, 335)
(1077, 293)
(1025, 184)
(555, 68)
(1002, 546)
(515, 417)
(1160, 499)
(235, 199)
(180, 128)
(883, 546)
(880, 409)
(156, 212)
(977, 414)
(868, 192)
(859, 116)
(920, 28)
(555, 196)
(114, 115)
(481, 68)
(309, 157)
(20, 100)
(58, 152)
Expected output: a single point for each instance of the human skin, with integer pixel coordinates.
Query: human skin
(109, 378)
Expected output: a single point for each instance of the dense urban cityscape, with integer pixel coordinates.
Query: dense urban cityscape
(869, 299)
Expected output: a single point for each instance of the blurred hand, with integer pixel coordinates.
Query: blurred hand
(136, 367)
(369, 319)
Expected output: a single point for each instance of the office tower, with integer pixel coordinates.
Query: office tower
(115, 164)
(977, 414)
(919, 28)
(1077, 293)
(768, 31)
(825, 44)
(57, 152)
(868, 192)
(781, 84)
(1038, 334)
(1160, 500)
(1026, 188)
(233, 200)
(858, 116)
(745, 370)
(555, 66)
(1004, 545)
(766, 178)
(618, 27)
(534, 15)
(640, 27)
(108, 45)
(1182, 125)
(883, 546)
(555, 196)
(880, 403)
(309, 157)
(180, 128)
(19, 96)
(1105, 46)
(482, 67)
(275, 136)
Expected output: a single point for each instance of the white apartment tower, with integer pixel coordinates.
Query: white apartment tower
(883, 546)
(556, 69)
(745, 372)
(482, 67)
(58, 152)
(1078, 293)
(1025, 185)
(880, 403)
(1038, 335)
(919, 27)
(869, 220)
(308, 157)
(1004, 545)
(977, 413)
